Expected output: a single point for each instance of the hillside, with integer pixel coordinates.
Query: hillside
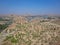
(31, 30)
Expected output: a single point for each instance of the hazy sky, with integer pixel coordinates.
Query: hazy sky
(29, 6)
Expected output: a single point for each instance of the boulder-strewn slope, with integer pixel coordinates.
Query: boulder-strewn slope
(23, 32)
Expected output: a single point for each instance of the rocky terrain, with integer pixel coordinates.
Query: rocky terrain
(31, 30)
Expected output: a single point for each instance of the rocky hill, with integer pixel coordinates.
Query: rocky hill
(31, 31)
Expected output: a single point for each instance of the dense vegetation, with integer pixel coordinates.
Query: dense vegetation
(1, 19)
(2, 27)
